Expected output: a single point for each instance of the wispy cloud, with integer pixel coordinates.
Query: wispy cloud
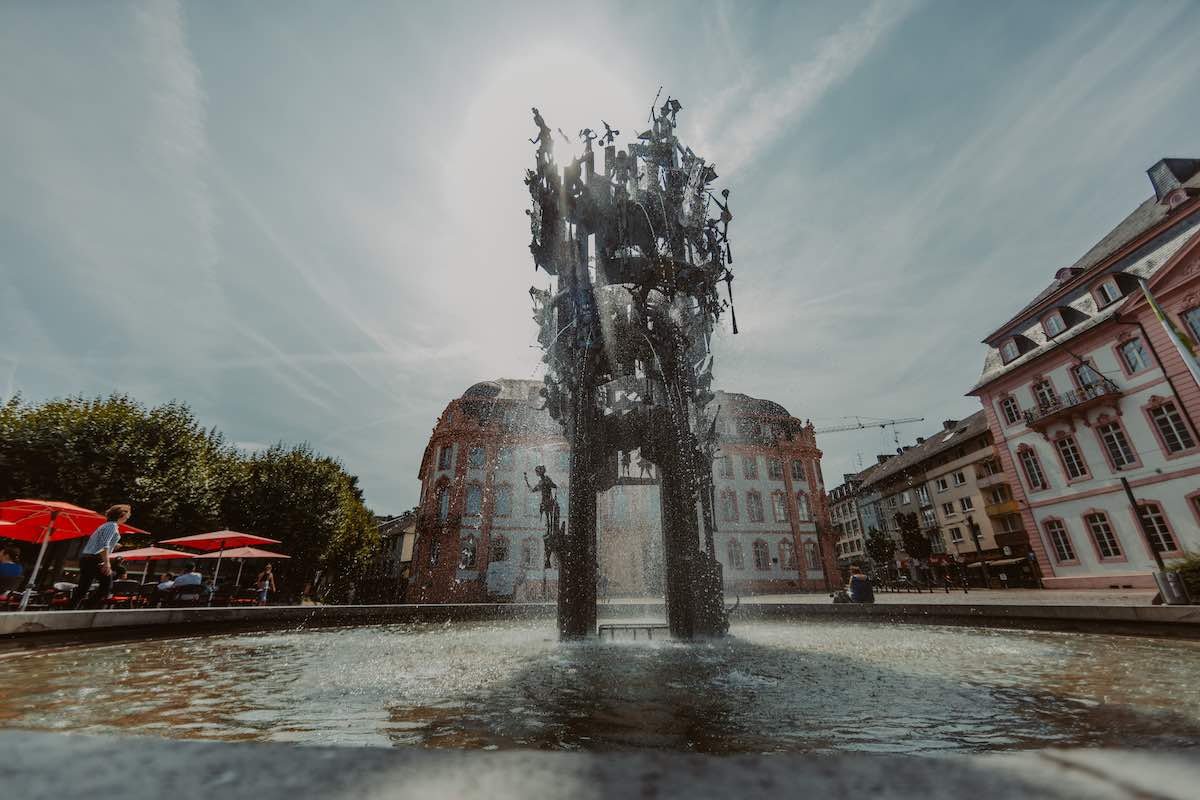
(773, 106)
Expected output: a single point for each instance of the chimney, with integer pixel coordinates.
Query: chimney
(920, 440)
(949, 424)
(1171, 173)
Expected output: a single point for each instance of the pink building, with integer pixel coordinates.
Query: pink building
(1083, 388)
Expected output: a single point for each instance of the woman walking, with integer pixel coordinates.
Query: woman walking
(95, 561)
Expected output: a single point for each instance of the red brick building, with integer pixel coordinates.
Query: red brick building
(479, 533)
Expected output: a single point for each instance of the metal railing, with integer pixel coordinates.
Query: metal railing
(1070, 399)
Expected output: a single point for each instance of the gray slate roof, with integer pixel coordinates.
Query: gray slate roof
(938, 442)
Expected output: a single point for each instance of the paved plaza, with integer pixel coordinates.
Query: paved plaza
(1024, 597)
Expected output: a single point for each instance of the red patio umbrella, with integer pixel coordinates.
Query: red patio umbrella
(149, 554)
(48, 521)
(242, 553)
(219, 541)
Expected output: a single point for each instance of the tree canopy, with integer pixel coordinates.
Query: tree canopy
(184, 478)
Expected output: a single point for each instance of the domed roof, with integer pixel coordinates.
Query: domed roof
(483, 389)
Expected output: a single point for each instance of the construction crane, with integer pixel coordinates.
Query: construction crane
(862, 423)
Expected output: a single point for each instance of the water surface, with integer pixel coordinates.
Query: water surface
(768, 687)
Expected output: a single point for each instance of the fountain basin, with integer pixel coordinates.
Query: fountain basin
(771, 686)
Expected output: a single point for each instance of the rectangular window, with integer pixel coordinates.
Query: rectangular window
(966, 504)
(1060, 540)
(1106, 541)
(503, 500)
(1072, 461)
(923, 495)
(960, 478)
(1009, 351)
(1108, 292)
(948, 509)
(754, 506)
(779, 507)
(1054, 325)
(729, 509)
(1175, 435)
(1043, 394)
(774, 469)
(504, 458)
(1087, 376)
(475, 457)
(726, 466)
(1033, 470)
(810, 556)
(1134, 355)
(956, 535)
(444, 457)
(942, 484)
(1191, 318)
(928, 518)
(1011, 411)
(1117, 445)
(750, 468)
(798, 470)
(936, 543)
(905, 498)
(474, 500)
(1156, 526)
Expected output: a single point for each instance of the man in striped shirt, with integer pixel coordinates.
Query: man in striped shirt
(95, 559)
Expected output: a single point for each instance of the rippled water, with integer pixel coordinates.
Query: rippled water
(768, 687)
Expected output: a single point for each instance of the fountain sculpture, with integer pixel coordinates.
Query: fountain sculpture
(627, 334)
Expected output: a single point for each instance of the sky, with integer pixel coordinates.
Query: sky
(306, 220)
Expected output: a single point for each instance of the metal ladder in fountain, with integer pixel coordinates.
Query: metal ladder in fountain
(611, 629)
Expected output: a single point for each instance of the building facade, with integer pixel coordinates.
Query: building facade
(944, 484)
(1093, 407)
(480, 533)
(846, 519)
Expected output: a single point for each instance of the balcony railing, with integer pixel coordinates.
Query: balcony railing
(994, 479)
(1001, 509)
(1073, 402)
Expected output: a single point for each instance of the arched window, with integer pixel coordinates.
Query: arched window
(762, 555)
(499, 549)
(503, 500)
(754, 506)
(467, 551)
(802, 505)
(474, 500)
(443, 504)
(787, 554)
(529, 553)
(733, 554)
(729, 506)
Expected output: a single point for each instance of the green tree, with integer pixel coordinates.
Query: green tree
(880, 547)
(915, 542)
(182, 478)
(96, 452)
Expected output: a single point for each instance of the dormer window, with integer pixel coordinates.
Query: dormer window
(1053, 325)
(1108, 292)
(1009, 351)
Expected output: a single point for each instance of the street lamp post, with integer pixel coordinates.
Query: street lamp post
(975, 537)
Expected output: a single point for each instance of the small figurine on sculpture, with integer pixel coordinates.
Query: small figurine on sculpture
(610, 135)
(544, 140)
(548, 508)
(645, 467)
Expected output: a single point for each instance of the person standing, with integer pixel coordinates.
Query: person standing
(266, 584)
(95, 559)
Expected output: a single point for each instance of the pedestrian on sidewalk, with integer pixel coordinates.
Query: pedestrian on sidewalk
(95, 559)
